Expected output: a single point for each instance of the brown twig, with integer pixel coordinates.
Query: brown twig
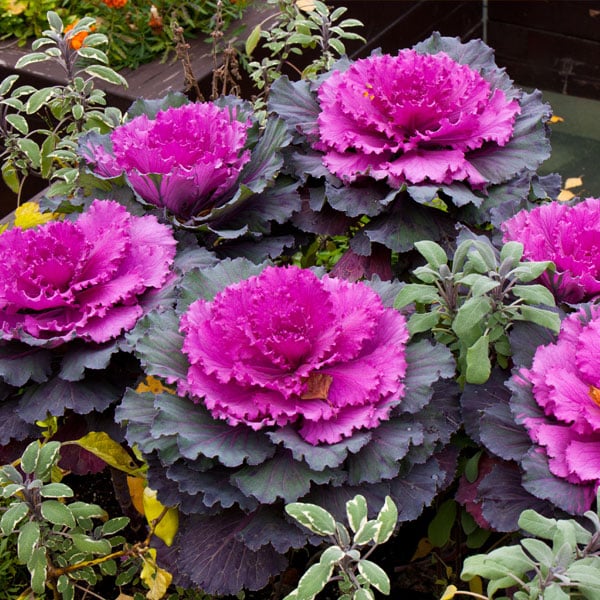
(182, 50)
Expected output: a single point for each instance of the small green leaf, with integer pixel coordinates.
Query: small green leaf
(528, 271)
(77, 111)
(19, 123)
(419, 322)
(356, 511)
(388, 517)
(433, 253)
(479, 284)
(47, 458)
(513, 250)
(29, 536)
(367, 532)
(83, 510)
(29, 59)
(479, 366)
(539, 316)
(57, 513)
(107, 74)
(471, 314)
(38, 567)
(374, 575)
(86, 544)
(114, 525)
(54, 21)
(13, 516)
(32, 150)
(252, 40)
(416, 292)
(312, 582)
(536, 524)
(29, 457)
(56, 490)
(363, 594)
(10, 176)
(39, 98)
(313, 517)
(441, 525)
(7, 83)
(534, 294)
(332, 555)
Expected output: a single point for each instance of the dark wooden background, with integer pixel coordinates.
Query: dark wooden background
(549, 44)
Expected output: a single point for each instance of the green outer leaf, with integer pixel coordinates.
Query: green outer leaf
(356, 511)
(19, 123)
(38, 567)
(313, 517)
(107, 74)
(56, 490)
(252, 40)
(471, 314)
(528, 271)
(57, 513)
(512, 250)
(587, 579)
(539, 550)
(536, 524)
(374, 575)
(433, 253)
(29, 537)
(13, 516)
(420, 322)
(479, 366)
(388, 517)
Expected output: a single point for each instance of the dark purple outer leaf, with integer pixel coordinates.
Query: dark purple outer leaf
(356, 200)
(426, 364)
(12, 427)
(58, 395)
(213, 556)
(503, 497)
(525, 338)
(20, 363)
(151, 108)
(489, 421)
(80, 357)
(296, 104)
(574, 499)
(198, 433)
(282, 477)
(157, 343)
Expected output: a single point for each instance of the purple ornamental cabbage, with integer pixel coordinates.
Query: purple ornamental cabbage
(411, 118)
(564, 380)
(184, 160)
(286, 347)
(81, 279)
(568, 236)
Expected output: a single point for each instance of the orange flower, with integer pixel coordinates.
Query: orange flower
(115, 3)
(76, 41)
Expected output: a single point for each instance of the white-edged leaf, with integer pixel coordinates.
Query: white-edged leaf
(356, 511)
(313, 517)
(388, 517)
(27, 541)
(13, 516)
(374, 575)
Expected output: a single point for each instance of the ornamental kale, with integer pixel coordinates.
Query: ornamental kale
(286, 347)
(81, 279)
(411, 118)
(566, 234)
(210, 167)
(397, 149)
(299, 389)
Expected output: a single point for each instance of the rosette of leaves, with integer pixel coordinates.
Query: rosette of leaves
(249, 216)
(412, 181)
(471, 303)
(231, 482)
(65, 110)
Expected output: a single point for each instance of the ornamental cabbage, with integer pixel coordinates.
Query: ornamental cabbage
(411, 118)
(286, 347)
(185, 159)
(568, 236)
(81, 279)
(564, 380)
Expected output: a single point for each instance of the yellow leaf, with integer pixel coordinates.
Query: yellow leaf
(158, 580)
(449, 592)
(476, 585)
(565, 196)
(424, 548)
(111, 452)
(167, 527)
(124, 597)
(136, 487)
(28, 215)
(153, 385)
(573, 182)
(556, 119)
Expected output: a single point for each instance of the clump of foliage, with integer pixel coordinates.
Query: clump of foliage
(355, 573)
(24, 19)
(471, 303)
(65, 110)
